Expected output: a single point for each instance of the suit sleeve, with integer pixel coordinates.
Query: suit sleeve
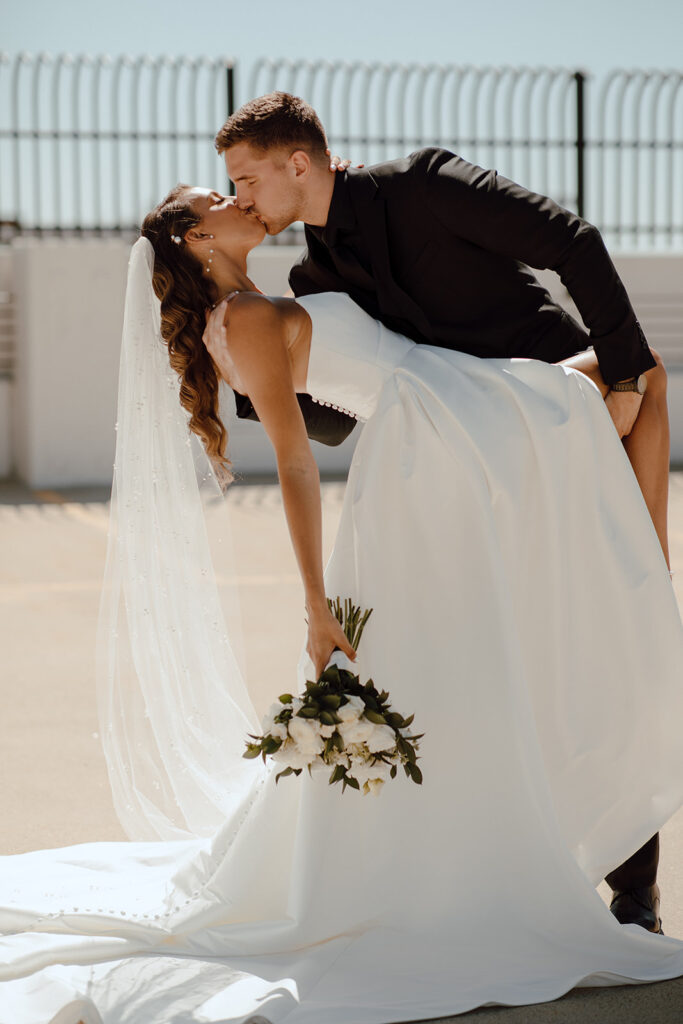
(497, 214)
(324, 424)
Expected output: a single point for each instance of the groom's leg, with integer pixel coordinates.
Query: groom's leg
(636, 894)
(635, 899)
(639, 870)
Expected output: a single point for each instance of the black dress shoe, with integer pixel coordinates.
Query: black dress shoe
(638, 906)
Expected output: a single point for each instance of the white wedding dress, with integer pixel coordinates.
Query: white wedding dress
(523, 612)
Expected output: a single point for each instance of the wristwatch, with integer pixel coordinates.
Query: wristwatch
(638, 384)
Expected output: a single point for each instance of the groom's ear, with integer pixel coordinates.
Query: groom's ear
(301, 162)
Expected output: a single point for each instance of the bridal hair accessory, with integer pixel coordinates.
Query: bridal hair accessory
(172, 702)
(176, 238)
(340, 724)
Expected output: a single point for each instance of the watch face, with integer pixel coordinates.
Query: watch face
(641, 384)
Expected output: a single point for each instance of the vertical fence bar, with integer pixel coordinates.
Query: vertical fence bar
(580, 80)
(230, 96)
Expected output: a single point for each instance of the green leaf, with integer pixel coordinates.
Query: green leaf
(331, 701)
(393, 771)
(271, 744)
(253, 750)
(350, 781)
(407, 721)
(338, 773)
(416, 774)
(285, 698)
(285, 771)
(311, 711)
(374, 716)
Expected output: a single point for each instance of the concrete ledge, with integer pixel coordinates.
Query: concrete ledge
(57, 416)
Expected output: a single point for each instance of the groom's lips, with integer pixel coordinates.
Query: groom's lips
(250, 213)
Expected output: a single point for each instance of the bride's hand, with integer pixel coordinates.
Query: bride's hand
(215, 333)
(337, 164)
(324, 635)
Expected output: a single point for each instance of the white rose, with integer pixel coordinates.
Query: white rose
(289, 756)
(383, 738)
(380, 770)
(269, 725)
(326, 731)
(367, 771)
(362, 771)
(357, 731)
(279, 730)
(306, 734)
(353, 710)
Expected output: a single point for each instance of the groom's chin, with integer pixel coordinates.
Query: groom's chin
(276, 227)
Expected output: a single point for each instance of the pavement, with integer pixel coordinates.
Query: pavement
(55, 790)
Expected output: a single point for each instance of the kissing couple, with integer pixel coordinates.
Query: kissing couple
(505, 519)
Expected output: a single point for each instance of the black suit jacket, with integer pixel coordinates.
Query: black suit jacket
(450, 246)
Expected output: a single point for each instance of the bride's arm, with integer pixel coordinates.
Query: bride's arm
(259, 352)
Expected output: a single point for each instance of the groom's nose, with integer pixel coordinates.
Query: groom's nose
(243, 204)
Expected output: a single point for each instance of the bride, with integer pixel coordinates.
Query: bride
(522, 610)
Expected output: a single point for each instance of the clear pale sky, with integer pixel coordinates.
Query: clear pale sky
(592, 34)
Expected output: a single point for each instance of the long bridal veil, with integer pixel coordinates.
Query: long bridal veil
(172, 701)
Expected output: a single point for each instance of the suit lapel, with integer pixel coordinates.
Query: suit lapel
(370, 209)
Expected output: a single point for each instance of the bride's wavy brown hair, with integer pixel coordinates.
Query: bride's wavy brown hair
(185, 297)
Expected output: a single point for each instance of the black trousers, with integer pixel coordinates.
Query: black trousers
(639, 870)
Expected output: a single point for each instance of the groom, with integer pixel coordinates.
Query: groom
(439, 249)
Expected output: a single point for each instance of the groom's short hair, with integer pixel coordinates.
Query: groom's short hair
(276, 120)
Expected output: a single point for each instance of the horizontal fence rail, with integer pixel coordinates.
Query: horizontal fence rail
(90, 144)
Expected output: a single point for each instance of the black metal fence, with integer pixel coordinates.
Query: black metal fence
(87, 145)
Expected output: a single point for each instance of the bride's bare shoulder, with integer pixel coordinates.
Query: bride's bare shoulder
(250, 313)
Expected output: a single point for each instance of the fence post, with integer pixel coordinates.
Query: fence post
(580, 80)
(230, 85)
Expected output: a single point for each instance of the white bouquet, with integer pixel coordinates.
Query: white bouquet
(340, 724)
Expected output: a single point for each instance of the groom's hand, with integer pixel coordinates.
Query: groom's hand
(215, 336)
(623, 407)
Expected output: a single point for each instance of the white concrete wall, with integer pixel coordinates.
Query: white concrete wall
(69, 317)
(69, 307)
